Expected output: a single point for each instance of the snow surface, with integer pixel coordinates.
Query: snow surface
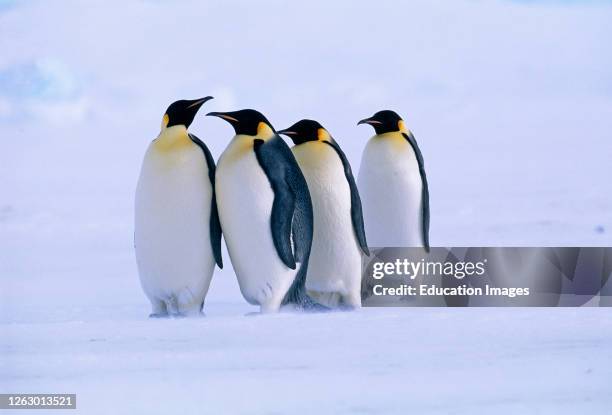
(510, 102)
(375, 361)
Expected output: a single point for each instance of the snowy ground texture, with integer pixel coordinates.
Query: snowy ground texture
(511, 104)
(376, 361)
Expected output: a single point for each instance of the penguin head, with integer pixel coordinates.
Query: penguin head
(182, 112)
(306, 130)
(246, 122)
(385, 121)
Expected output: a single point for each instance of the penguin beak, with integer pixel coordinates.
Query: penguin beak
(286, 132)
(197, 103)
(223, 115)
(369, 121)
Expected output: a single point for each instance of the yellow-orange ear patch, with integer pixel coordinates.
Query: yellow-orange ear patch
(165, 121)
(401, 126)
(322, 134)
(264, 131)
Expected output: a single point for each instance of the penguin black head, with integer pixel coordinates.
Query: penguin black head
(182, 112)
(247, 122)
(385, 121)
(306, 130)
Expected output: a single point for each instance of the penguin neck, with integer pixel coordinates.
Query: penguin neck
(172, 138)
(401, 129)
(395, 139)
(321, 136)
(242, 144)
(264, 132)
(390, 134)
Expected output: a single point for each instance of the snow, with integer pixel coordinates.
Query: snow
(425, 361)
(510, 103)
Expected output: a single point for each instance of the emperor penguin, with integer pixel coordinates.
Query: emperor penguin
(393, 185)
(266, 213)
(334, 270)
(177, 230)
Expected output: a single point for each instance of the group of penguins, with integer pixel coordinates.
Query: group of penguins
(292, 218)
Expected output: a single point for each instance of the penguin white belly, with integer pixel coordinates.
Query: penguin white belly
(244, 198)
(335, 258)
(390, 187)
(172, 235)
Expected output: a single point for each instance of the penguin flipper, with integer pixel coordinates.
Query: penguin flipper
(425, 188)
(302, 222)
(356, 209)
(283, 206)
(302, 225)
(288, 182)
(215, 223)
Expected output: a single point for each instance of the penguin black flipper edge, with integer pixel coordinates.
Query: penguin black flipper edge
(215, 224)
(425, 188)
(291, 211)
(283, 206)
(356, 209)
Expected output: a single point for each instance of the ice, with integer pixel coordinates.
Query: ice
(425, 361)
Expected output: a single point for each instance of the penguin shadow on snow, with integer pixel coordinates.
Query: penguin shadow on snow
(295, 309)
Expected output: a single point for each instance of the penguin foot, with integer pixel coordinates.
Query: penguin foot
(159, 315)
(347, 307)
(189, 314)
(316, 308)
(196, 314)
